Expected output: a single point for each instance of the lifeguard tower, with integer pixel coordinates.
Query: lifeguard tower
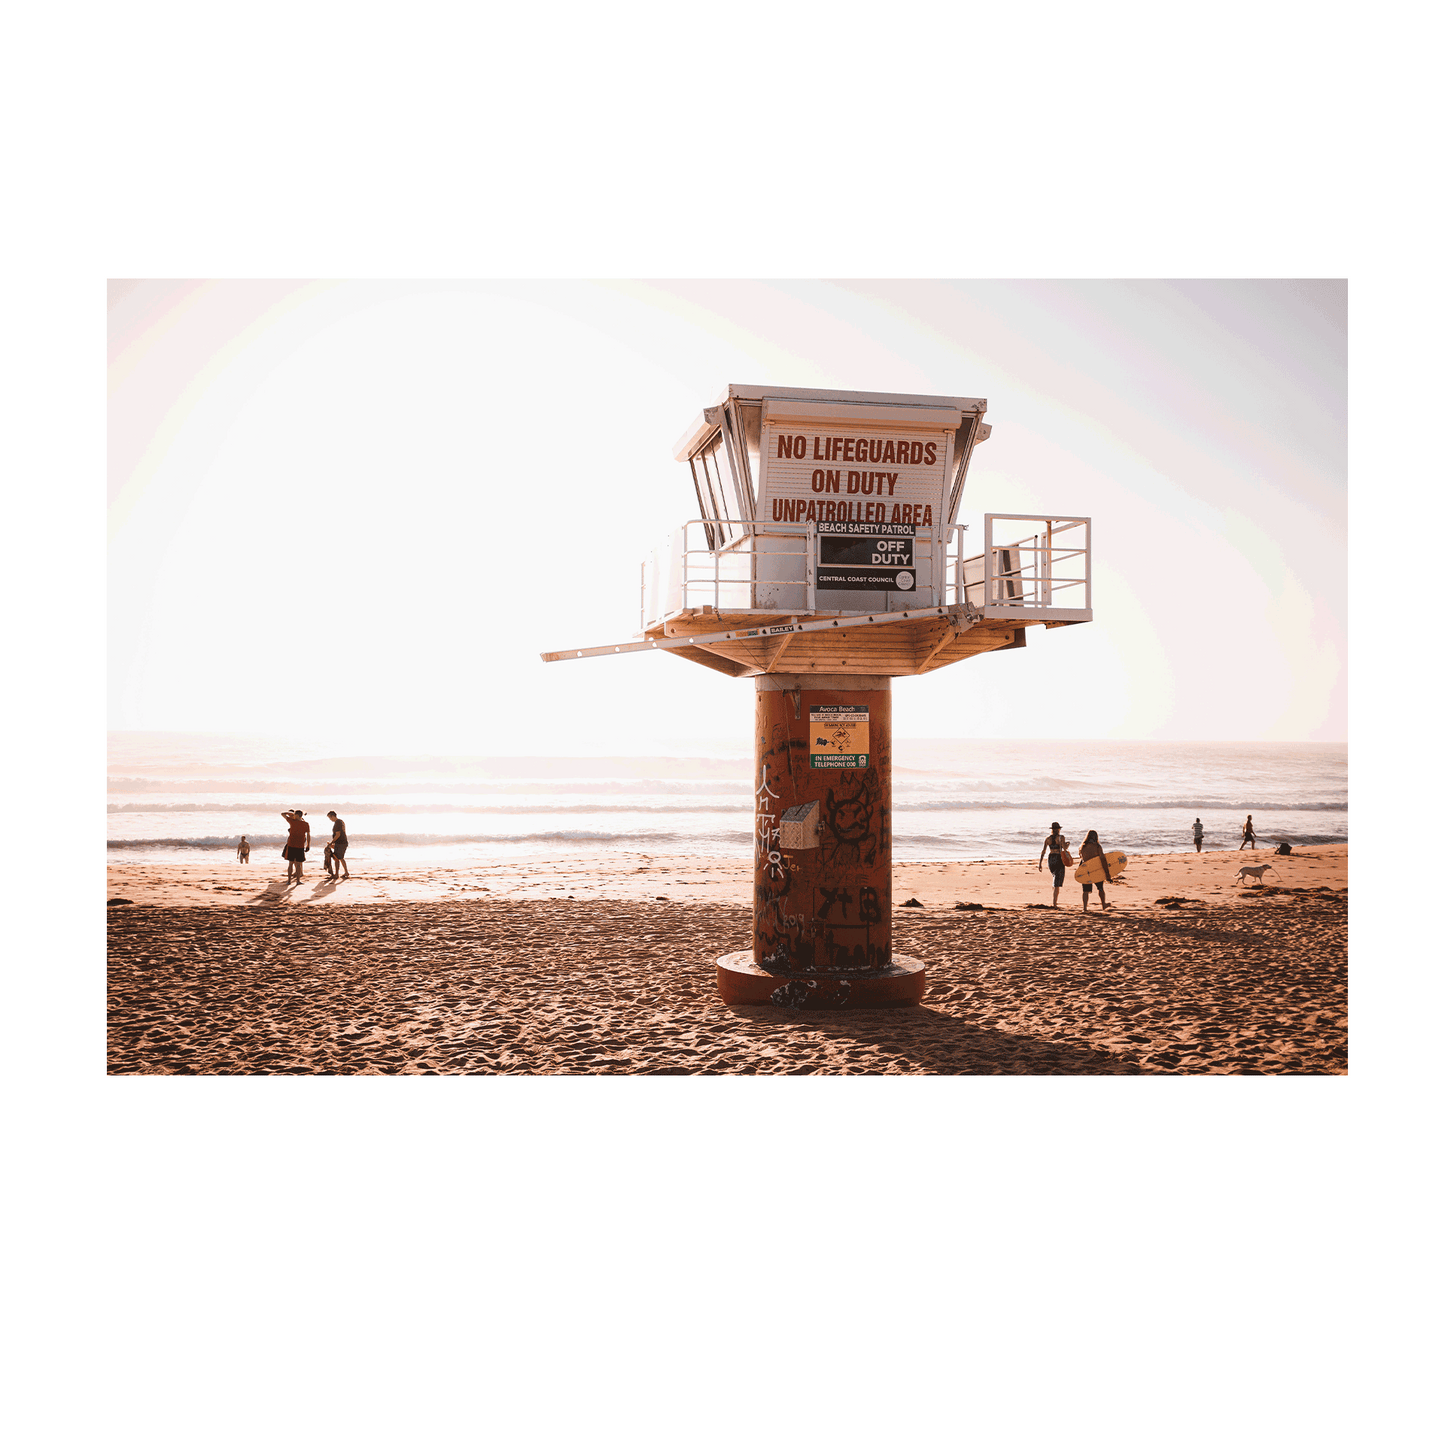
(826, 561)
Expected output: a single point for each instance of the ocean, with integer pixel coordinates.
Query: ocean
(187, 798)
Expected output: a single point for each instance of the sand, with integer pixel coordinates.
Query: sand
(573, 968)
(1207, 877)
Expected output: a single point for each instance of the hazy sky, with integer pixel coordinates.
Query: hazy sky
(358, 511)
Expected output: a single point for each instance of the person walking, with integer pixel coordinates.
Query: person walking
(1248, 833)
(337, 846)
(298, 840)
(1198, 836)
(243, 850)
(1094, 849)
(1056, 846)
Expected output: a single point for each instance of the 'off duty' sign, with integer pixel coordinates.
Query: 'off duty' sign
(865, 557)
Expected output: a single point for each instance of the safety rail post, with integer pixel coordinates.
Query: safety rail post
(811, 543)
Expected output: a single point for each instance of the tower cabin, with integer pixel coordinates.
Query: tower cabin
(826, 540)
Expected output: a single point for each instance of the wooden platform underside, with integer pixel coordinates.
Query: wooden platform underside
(902, 649)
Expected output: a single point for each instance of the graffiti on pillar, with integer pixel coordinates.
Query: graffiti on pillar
(783, 940)
(823, 909)
(775, 930)
(812, 993)
(849, 911)
(852, 948)
(769, 830)
(849, 815)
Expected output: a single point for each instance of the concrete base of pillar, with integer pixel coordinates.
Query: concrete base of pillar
(740, 980)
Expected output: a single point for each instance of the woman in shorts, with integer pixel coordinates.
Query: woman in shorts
(1054, 846)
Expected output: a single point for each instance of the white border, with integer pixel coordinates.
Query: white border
(84, 1097)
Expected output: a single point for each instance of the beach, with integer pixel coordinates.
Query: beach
(607, 966)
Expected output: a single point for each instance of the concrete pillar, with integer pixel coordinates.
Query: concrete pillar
(823, 845)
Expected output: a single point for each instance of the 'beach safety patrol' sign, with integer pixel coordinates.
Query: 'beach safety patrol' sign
(865, 557)
(838, 737)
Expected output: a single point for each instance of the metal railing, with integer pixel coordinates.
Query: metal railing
(768, 568)
(771, 568)
(1038, 572)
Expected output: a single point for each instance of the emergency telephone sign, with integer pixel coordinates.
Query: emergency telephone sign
(838, 737)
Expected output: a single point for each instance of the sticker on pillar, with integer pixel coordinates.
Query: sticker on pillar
(838, 737)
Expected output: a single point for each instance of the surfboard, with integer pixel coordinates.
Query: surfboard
(1092, 869)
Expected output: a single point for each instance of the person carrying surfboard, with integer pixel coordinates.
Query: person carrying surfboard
(1094, 849)
(1056, 845)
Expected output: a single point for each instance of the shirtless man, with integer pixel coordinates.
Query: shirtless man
(243, 850)
(337, 846)
(298, 840)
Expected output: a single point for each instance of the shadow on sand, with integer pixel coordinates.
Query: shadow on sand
(940, 1043)
(278, 891)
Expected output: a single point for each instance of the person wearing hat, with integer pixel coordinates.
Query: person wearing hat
(1056, 846)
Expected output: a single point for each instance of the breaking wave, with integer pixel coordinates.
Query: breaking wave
(911, 805)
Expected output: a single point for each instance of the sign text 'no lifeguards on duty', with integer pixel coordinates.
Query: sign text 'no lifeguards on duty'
(864, 474)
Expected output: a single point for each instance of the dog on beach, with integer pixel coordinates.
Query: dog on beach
(1256, 873)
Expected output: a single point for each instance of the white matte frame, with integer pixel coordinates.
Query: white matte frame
(85, 1097)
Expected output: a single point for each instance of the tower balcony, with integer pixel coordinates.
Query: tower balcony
(850, 593)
